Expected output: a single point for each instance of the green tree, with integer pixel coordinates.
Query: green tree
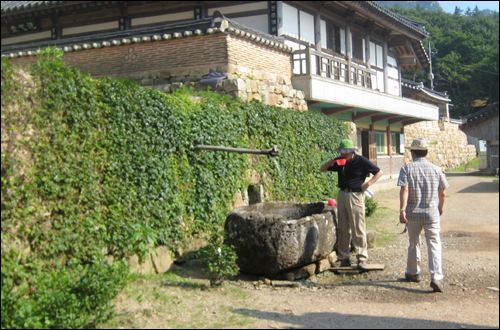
(465, 56)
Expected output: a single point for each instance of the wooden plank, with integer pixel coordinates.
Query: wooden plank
(334, 111)
(289, 284)
(354, 267)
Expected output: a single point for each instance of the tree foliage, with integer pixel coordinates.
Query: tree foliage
(464, 55)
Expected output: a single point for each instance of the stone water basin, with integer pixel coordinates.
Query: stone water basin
(273, 237)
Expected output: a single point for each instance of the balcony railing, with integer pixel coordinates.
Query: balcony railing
(310, 62)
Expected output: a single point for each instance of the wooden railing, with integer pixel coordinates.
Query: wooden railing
(310, 62)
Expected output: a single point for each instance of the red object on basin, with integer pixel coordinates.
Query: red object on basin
(341, 161)
(332, 202)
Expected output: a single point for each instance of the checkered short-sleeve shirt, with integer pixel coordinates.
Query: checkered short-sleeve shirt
(424, 180)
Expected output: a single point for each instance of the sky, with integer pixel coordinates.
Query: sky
(449, 6)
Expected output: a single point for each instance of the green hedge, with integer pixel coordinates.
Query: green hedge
(104, 165)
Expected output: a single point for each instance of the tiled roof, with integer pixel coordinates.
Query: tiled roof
(420, 86)
(415, 25)
(481, 115)
(148, 34)
(10, 7)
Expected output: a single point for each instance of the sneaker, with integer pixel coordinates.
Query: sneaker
(437, 286)
(342, 263)
(362, 264)
(413, 278)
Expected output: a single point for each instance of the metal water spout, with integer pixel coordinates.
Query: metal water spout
(270, 152)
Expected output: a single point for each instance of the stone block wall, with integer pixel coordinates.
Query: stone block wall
(242, 82)
(448, 146)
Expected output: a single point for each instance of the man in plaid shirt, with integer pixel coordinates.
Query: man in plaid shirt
(422, 198)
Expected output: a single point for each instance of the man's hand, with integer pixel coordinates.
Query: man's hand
(364, 186)
(402, 217)
(440, 210)
(328, 164)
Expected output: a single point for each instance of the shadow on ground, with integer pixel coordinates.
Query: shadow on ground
(334, 320)
(482, 187)
(386, 284)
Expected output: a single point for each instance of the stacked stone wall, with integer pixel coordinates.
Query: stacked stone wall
(448, 146)
(241, 82)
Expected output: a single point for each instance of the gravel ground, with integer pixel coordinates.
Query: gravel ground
(376, 299)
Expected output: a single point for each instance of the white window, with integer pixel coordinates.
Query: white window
(380, 81)
(342, 41)
(290, 21)
(392, 67)
(306, 26)
(380, 58)
(322, 27)
(358, 48)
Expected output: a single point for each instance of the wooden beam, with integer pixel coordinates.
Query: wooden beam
(313, 103)
(334, 111)
(412, 121)
(364, 115)
(397, 120)
(397, 41)
(369, 25)
(407, 60)
(420, 66)
(382, 117)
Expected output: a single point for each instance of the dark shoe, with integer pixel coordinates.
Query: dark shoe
(437, 286)
(342, 263)
(362, 264)
(413, 278)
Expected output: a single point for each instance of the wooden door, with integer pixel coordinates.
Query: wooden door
(369, 145)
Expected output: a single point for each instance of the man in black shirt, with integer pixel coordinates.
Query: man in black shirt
(352, 171)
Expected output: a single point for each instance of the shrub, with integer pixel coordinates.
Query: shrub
(219, 261)
(63, 298)
(370, 206)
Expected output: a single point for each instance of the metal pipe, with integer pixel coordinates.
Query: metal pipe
(270, 152)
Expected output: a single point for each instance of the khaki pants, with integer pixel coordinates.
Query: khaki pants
(351, 219)
(431, 230)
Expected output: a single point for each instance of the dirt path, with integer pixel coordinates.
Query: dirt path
(470, 235)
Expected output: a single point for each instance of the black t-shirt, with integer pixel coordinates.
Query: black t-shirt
(353, 174)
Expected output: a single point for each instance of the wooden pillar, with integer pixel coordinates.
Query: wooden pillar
(389, 147)
(317, 30)
(386, 69)
(348, 50)
(367, 50)
(308, 60)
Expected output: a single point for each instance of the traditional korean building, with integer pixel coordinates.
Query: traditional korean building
(483, 125)
(342, 58)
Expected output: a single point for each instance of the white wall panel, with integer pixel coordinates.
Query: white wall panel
(258, 22)
(187, 15)
(28, 37)
(90, 28)
(238, 8)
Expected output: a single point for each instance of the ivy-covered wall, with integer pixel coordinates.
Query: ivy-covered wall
(109, 165)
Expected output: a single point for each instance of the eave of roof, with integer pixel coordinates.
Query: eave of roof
(149, 34)
(415, 26)
(14, 7)
(440, 96)
(480, 116)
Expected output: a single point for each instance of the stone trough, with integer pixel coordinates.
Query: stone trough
(271, 238)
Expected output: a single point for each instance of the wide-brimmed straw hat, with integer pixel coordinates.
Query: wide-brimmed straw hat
(419, 144)
(346, 147)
